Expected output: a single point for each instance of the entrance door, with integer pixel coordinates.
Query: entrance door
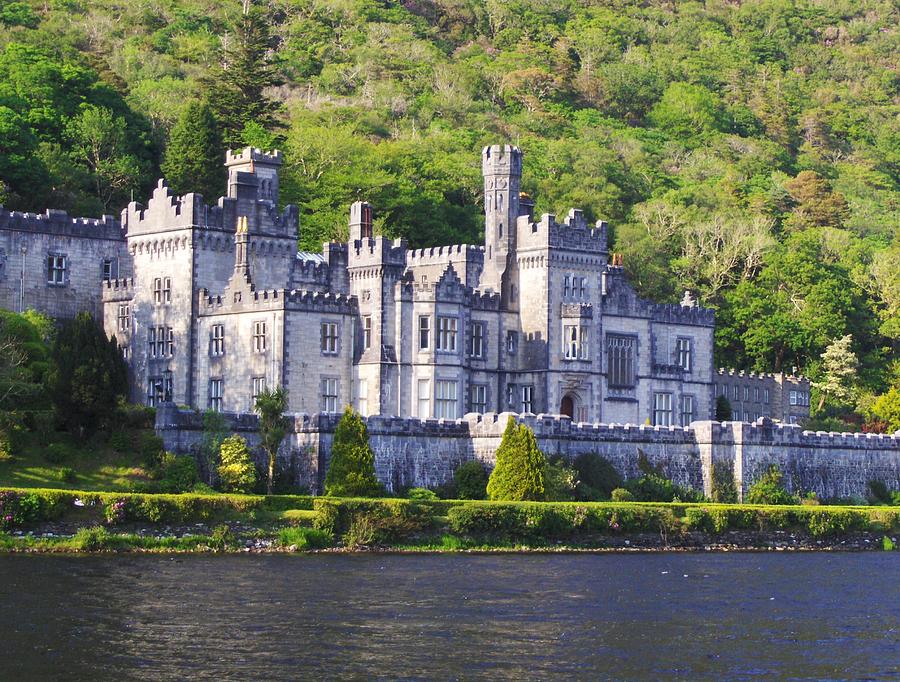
(567, 407)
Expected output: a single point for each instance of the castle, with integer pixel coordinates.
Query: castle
(212, 304)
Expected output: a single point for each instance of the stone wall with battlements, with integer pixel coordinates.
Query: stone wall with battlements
(413, 452)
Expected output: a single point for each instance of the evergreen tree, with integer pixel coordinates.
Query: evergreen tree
(87, 374)
(194, 155)
(723, 409)
(236, 472)
(839, 372)
(519, 473)
(270, 405)
(351, 472)
(237, 85)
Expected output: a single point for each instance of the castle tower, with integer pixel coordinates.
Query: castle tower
(253, 171)
(241, 244)
(501, 166)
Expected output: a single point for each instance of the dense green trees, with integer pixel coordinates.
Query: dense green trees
(194, 156)
(745, 151)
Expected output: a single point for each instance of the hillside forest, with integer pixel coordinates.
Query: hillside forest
(748, 151)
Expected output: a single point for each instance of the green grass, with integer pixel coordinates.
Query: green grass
(96, 465)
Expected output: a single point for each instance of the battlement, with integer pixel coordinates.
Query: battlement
(318, 301)
(572, 234)
(377, 251)
(501, 159)
(117, 289)
(56, 222)
(248, 154)
(437, 255)
(674, 313)
(761, 376)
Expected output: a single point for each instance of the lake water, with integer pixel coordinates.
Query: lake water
(729, 616)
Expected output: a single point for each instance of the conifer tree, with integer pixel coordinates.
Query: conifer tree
(519, 473)
(723, 409)
(248, 68)
(351, 472)
(839, 372)
(194, 156)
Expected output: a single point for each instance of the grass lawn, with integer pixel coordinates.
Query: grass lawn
(94, 465)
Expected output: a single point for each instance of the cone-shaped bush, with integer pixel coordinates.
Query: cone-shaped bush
(351, 472)
(519, 473)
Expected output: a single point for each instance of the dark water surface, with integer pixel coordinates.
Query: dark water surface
(648, 616)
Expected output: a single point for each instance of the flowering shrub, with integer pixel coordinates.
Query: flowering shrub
(17, 509)
(116, 512)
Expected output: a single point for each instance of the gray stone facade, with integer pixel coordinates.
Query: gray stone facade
(411, 452)
(779, 396)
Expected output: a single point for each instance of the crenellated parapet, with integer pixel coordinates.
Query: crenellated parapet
(731, 373)
(377, 252)
(673, 313)
(117, 290)
(484, 300)
(573, 234)
(59, 223)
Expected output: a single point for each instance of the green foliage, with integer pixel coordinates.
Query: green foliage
(177, 474)
(769, 489)
(237, 474)
(560, 481)
(654, 486)
(351, 472)
(87, 375)
(214, 434)
(724, 489)
(421, 494)
(621, 495)
(470, 481)
(361, 522)
(597, 477)
(23, 361)
(92, 539)
(887, 409)
(521, 466)
(194, 159)
(723, 409)
(221, 538)
(273, 426)
(304, 538)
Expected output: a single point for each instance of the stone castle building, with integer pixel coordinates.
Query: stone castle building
(211, 304)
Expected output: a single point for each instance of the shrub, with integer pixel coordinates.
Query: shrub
(769, 489)
(237, 474)
(597, 477)
(470, 480)
(66, 474)
(221, 538)
(304, 538)
(724, 489)
(116, 511)
(621, 495)
(178, 474)
(421, 494)
(58, 453)
(723, 409)
(92, 539)
(120, 441)
(825, 523)
(879, 493)
(519, 473)
(560, 481)
(6, 447)
(151, 449)
(351, 472)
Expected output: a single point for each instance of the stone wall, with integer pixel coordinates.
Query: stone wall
(410, 452)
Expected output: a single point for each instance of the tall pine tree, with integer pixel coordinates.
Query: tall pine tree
(194, 156)
(248, 68)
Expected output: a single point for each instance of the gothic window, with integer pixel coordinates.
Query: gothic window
(167, 290)
(512, 341)
(687, 409)
(424, 332)
(329, 395)
(746, 393)
(257, 387)
(110, 268)
(579, 287)
(446, 337)
(684, 353)
(124, 317)
(527, 398)
(662, 409)
(423, 398)
(56, 269)
(620, 361)
(367, 332)
(478, 398)
(151, 341)
(155, 391)
(329, 338)
(157, 291)
(445, 404)
(217, 340)
(575, 342)
(216, 394)
(260, 342)
(476, 347)
(735, 392)
(170, 342)
(362, 397)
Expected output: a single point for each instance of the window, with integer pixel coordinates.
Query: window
(575, 342)
(329, 395)
(110, 267)
(124, 317)
(567, 281)
(512, 341)
(362, 397)
(725, 391)
(216, 394)
(424, 332)
(476, 347)
(620, 359)
(793, 398)
(56, 269)
(161, 342)
(217, 340)
(766, 396)
(581, 291)
(155, 391)
(478, 398)
(257, 387)
(662, 409)
(734, 392)
(756, 394)
(511, 396)
(445, 404)
(367, 332)
(684, 353)
(167, 290)
(151, 342)
(446, 337)
(746, 394)
(259, 336)
(687, 409)
(423, 395)
(527, 398)
(329, 338)
(170, 342)
(157, 291)
(125, 353)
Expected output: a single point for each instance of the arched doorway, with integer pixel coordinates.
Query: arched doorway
(567, 406)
